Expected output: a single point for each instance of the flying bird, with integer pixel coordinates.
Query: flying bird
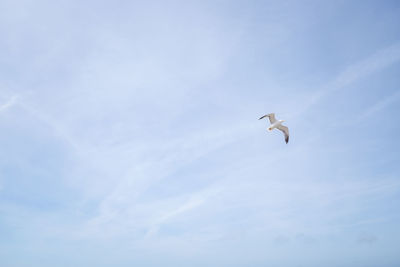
(277, 124)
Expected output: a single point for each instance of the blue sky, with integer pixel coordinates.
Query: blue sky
(129, 133)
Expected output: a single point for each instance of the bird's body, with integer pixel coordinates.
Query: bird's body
(277, 124)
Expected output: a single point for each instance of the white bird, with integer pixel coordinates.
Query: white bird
(277, 124)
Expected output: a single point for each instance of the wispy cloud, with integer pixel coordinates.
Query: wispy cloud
(120, 204)
(140, 121)
(379, 60)
(8, 104)
(376, 62)
(195, 200)
(381, 105)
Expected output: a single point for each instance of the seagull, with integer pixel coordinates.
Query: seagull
(277, 124)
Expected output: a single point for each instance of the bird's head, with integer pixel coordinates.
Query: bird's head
(281, 121)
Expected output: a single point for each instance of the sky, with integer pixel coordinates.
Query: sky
(129, 133)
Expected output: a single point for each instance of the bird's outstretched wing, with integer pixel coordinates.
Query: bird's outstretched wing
(285, 131)
(271, 117)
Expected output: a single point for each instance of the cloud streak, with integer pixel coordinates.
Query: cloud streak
(8, 104)
(381, 105)
(378, 61)
(134, 131)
